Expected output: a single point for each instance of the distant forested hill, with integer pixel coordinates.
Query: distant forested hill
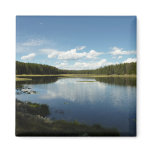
(33, 68)
(125, 68)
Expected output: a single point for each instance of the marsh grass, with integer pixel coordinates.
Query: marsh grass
(32, 108)
(23, 79)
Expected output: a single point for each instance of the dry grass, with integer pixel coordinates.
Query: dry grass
(22, 79)
(80, 75)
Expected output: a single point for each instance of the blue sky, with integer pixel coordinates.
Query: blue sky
(76, 42)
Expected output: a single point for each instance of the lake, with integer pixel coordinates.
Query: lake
(110, 102)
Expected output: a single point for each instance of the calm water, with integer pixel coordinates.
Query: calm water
(110, 102)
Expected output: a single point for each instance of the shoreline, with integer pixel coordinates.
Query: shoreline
(32, 120)
(23, 79)
(18, 77)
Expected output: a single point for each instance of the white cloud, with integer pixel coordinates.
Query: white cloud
(93, 54)
(83, 65)
(119, 51)
(28, 57)
(119, 57)
(62, 65)
(32, 42)
(48, 51)
(52, 53)
(90, 65)
(71, 54)
(129, 60)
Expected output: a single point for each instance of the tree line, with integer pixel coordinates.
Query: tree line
(34, 68)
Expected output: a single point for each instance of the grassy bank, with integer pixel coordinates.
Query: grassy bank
(32, 108)
(22, 79)
(31, 121)
(80, 75)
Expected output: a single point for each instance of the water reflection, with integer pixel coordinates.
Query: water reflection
(118, 81)
(75, 91)
(38, 80)
(107, 101)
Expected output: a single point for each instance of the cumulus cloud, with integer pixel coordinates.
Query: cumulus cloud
(72, 54)
(52, 53)
(28, 57)
(83, 65)
(93, 54)
(90, 65)
(120, 51)
(129, 60)
(63, 65)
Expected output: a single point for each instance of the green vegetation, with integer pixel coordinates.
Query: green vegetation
(39, 69)
(33, 68)
(31, 121)
(32, 108)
